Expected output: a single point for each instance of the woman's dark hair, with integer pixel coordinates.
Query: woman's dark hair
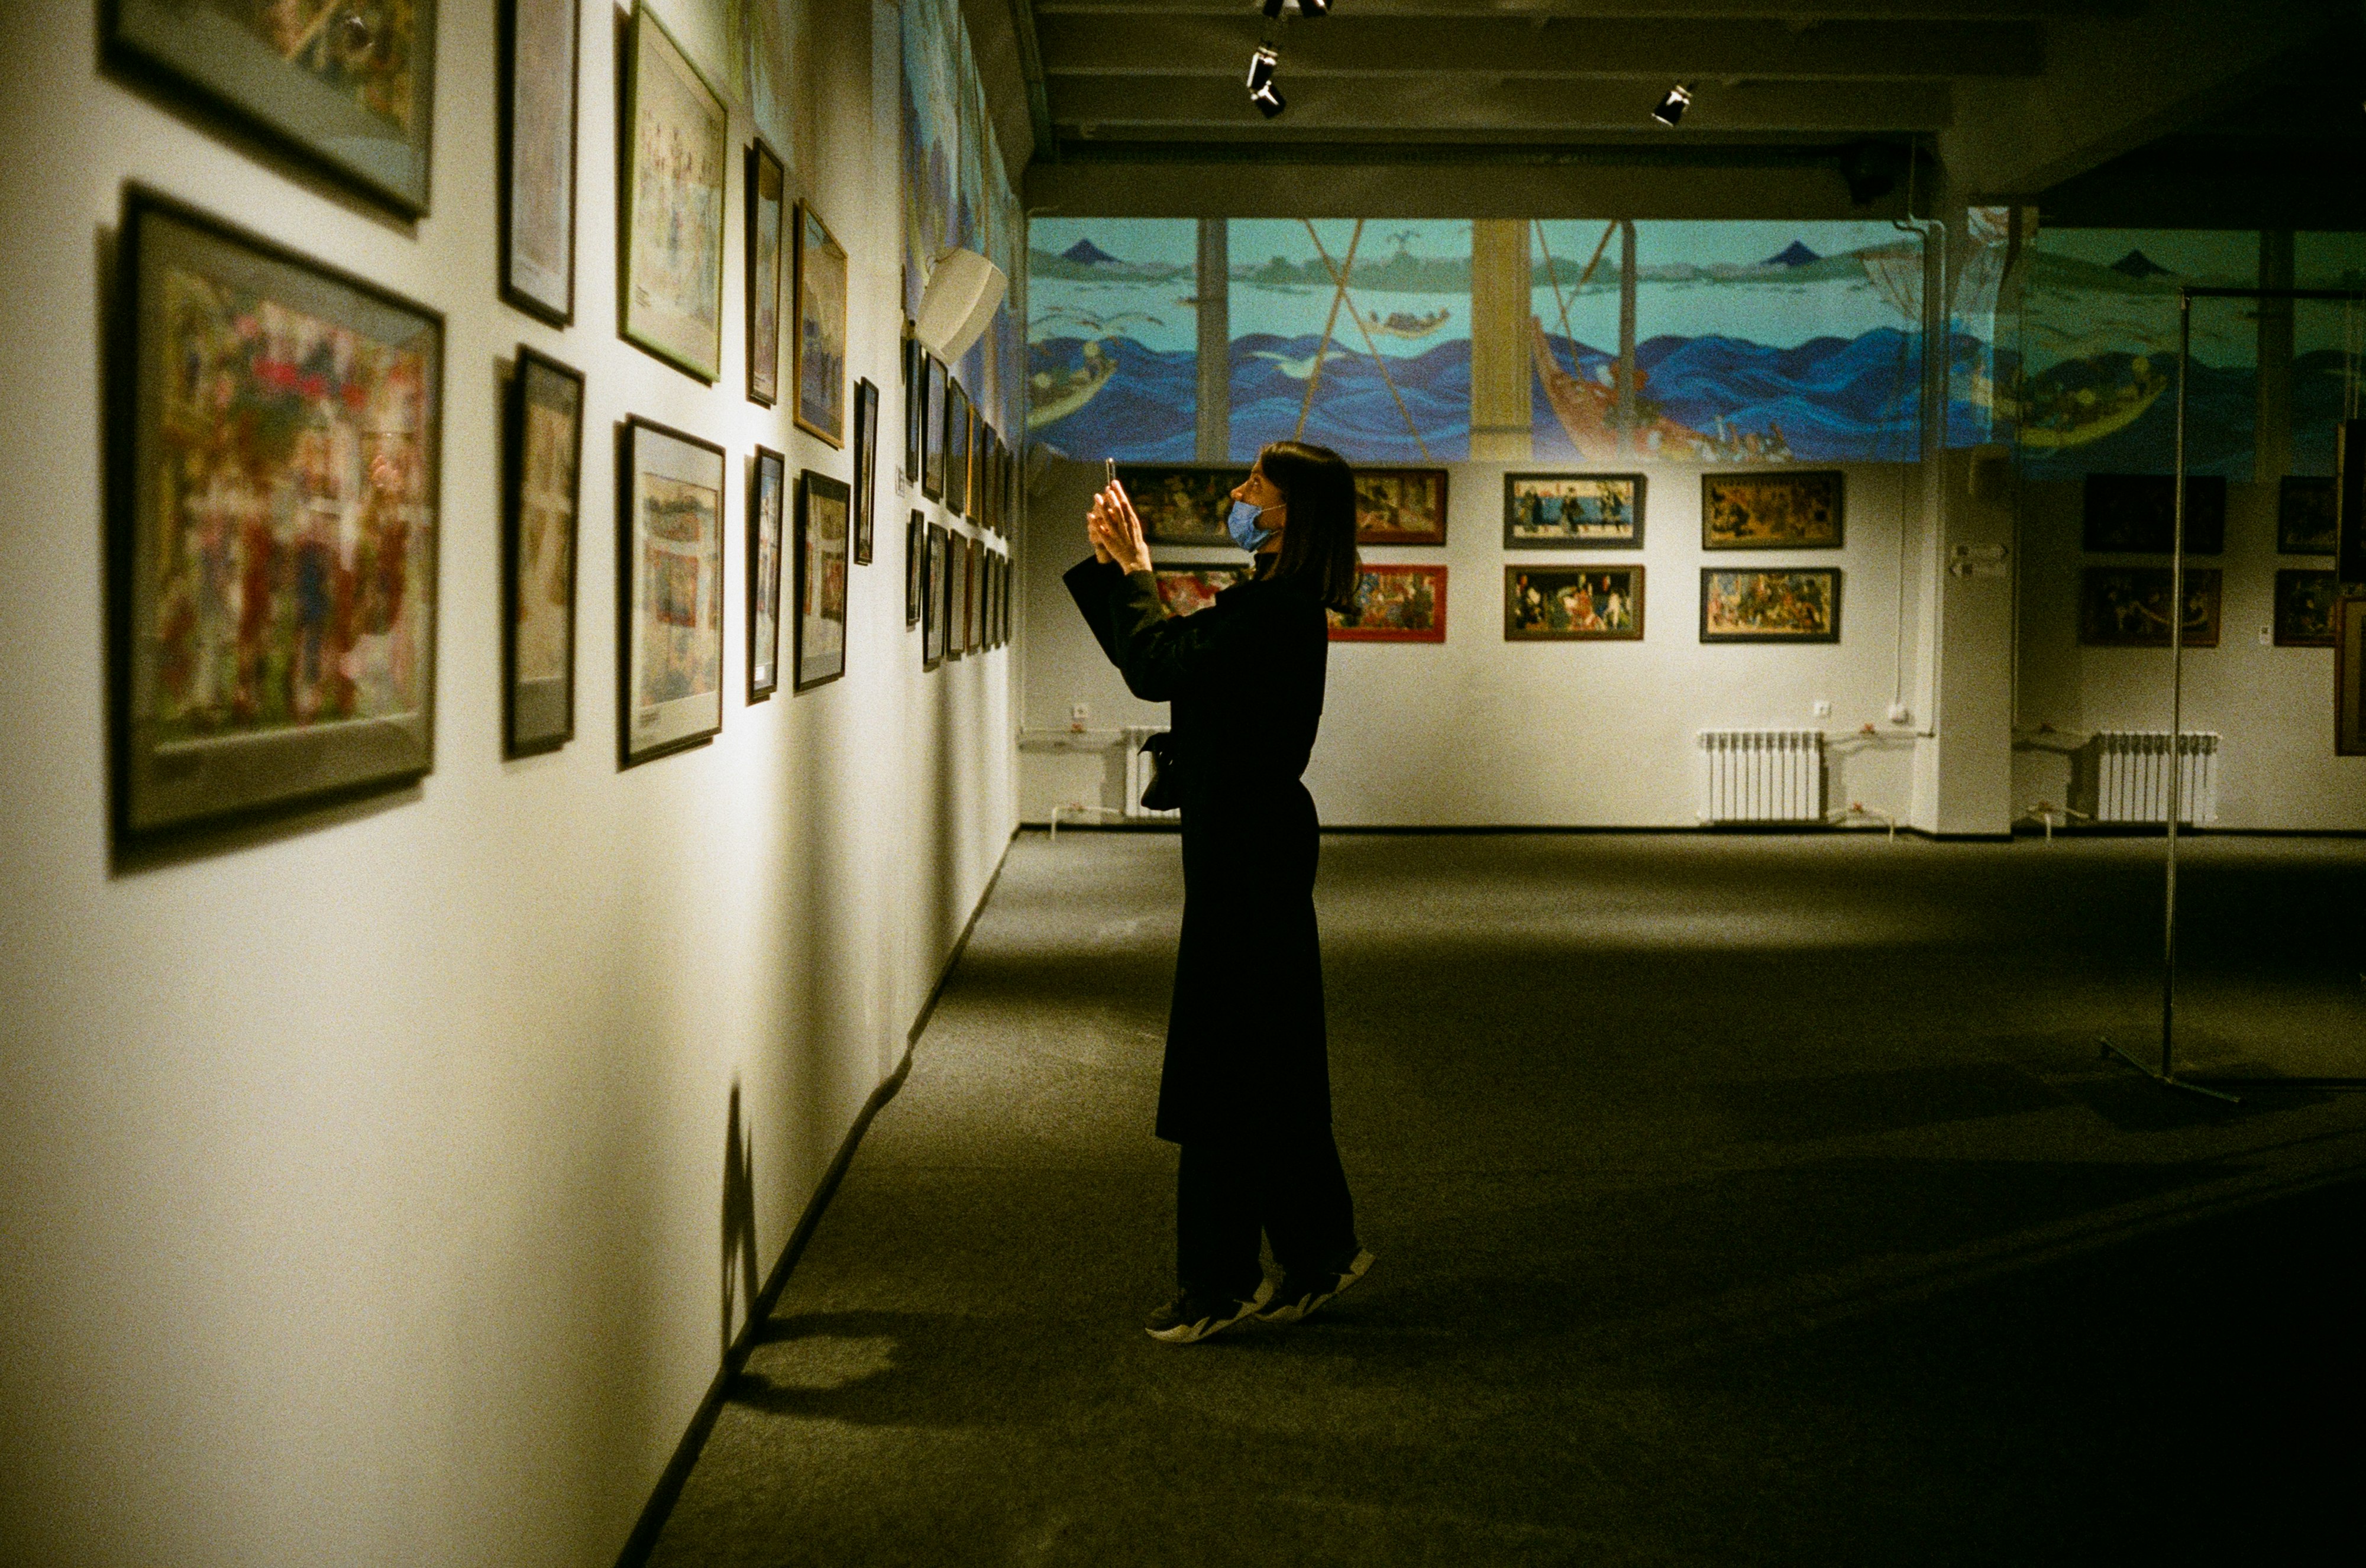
(1318, 538)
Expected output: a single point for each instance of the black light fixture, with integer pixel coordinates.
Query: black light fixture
(1262, 65)
(1672, 107)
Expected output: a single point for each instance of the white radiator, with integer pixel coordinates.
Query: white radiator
(1137, 774)
(2131, 776)
(1763, 775)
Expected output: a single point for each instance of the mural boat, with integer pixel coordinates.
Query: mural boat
(1053, 395)
(1588, 411)
(2055, 418)
(1404, 324)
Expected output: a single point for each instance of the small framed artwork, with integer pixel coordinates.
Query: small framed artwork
(1780, 604)
(821, 330)
(768, 495)
(2136, 514)
(915, 404)
(542, 491)
(933, 599)
(1182, 503)
(932, 436)
(2307, 519)
(2127, 606)
(541, 44)
(349, 90)
(1560, 512)
(670, 297)
(1394, 604)
(2350, 678)
(1398, 506)
(1772, 510)
(956, 594)
(2349, 503)
(767, 212)
(822, 519)
(1009, 600)
(866, 467)
(2305, 606)
(1573, 603)
(957, 442)
(670, 582)
(1188, 590)
(276, 456)
(982, 491)
(972, 597)
(916, 565)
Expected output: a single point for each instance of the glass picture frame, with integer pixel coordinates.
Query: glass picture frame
(768, 498)
(541, 53)
(933, 598)
(273, 532)
(1182, 503)
(932, 436)
(2127, 606)
(866, 467)
(957, 446)
(1401, 506)
(2350, 678)
(915, 404)
(1770, 604)
(1394, 604)
(1573, 603)
(541, 530)
(669, 296)
(916, 565)
(359, 108)
(821, 369)
(767, 215)
(1806, 510)
(1574, 511)
(2308, 518)
(823, 514)
(2306, 603)
(2136, 514)
(670, 567)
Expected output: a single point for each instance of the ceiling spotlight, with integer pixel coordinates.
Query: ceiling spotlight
(1305, 8)
(1672, 107)
(1262, 65)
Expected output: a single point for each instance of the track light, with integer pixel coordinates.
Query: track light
(1262, 65)
(1305, 8)
(1672, 107)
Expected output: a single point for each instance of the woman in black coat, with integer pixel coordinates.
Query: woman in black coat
(1246, 1087)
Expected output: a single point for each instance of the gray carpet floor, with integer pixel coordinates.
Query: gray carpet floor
(1736, 1200)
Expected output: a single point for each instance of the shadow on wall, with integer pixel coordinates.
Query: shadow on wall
(740, 1273)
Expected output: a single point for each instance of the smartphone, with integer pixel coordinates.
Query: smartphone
(1109, 467)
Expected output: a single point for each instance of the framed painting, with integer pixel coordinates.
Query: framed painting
(1009, 599)
(1772, 510)
(767, 212)
(821, 330)
(669, 592)
(2350, 678)
(2307, 522)
(974, 597)
(957, 442)
(2127, 606)
(866, 467)
(2349, 503)
(274, 445)
(1560, 512)
(2136, 514)
(1188, 590)
(916, 565)
(822, 518)
(1779, 604)
(982, 487)
(670, 299)
(1398, 506)
(351, 93)
(915, 404)
(932, 600)
(2304, 607)
(1394, 604)
(1573, 603)
(541, 498)
(541, 45)
(768, 495)
(1182, 503)
(956, 590)
(933, 435)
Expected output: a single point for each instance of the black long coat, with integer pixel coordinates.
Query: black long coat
(1246, 1056)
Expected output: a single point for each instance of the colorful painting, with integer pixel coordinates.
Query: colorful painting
(767, 211)
(821, 330)
(1573, 603)
(538, 66)
(957, 563)
(674, 196)
(932, 604)
(349, 89)
(1394, 604)
(1188, 590)
(823, 512)
(1794, 605)
(1775, 511)
(1401, 506)
(1557, 512)
(2136, 514)
(2304, 607)
(768, 488)
(916, 565)
(544, 463)
(671, 580)
(281, 543)
(2127, 606)
(2307, 523)
(866, 467)
(1181, 505)
(916, 403)
(960, 427)
(932, 462)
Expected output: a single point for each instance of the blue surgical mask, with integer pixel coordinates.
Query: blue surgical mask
(1242, 527)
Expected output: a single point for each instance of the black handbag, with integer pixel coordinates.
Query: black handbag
(1163, 792)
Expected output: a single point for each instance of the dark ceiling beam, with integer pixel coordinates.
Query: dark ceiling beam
(1171, 45)
(1327, 107)
(1030, 69)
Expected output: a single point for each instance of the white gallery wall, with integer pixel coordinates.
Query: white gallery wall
(364, 1171)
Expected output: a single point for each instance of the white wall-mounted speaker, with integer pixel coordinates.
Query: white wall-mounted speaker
(963, 292)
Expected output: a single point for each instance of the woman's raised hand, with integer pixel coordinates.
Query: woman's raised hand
(1116, 530)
